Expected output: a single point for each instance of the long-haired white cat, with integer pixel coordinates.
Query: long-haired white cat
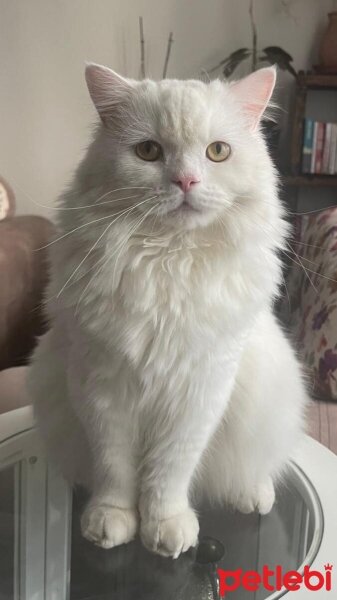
(165, 373)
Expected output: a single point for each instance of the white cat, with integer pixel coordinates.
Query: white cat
(165, 372)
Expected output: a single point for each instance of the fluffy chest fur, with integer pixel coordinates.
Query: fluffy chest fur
(172, 305)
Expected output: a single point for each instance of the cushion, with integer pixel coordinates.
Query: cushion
(23, 276)
(312, 287)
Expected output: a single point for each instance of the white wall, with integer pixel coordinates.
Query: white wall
(45, 112)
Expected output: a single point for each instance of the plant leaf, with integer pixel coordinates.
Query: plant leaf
(270, 50)
(235, 57)
(278, 56)
(234, 60)
(239, 53)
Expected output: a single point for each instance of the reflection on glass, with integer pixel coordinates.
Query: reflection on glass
(7, 533)
(284, 537)
(289, 536)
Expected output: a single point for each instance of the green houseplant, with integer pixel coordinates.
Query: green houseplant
(273, 55)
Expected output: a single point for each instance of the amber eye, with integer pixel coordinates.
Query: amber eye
(149, 150)
(218, 151)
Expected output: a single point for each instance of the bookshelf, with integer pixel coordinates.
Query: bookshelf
(305, 83)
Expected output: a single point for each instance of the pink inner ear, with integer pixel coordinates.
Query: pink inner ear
(254, 92)
(106, 87)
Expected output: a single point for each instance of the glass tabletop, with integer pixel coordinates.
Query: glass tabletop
(289, 536)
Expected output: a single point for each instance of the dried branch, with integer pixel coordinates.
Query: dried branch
(142, 48)
(254, 35)
(168, 53)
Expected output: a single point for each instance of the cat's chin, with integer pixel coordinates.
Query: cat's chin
(183, 224)
(187, 218)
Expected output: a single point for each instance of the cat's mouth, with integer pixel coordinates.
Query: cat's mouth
(185, 207)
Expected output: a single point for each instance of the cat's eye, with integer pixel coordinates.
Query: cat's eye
(218, 151)
(149, 150)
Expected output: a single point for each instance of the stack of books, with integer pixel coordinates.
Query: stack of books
(319, 153)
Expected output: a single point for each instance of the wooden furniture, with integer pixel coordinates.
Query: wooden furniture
(305, 83)
(24, 275)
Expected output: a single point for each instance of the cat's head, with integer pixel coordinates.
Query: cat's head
(189, 149)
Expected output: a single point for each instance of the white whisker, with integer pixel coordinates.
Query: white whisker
(91, 205)
(311, 212)
(289, 212)
(120, 245)
(142, 219)
(306, 269)
(46, 206)
(122, 189)
(76, 229)
(97, 241)
(286, 289)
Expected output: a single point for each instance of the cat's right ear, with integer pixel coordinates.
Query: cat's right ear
(253, 94)
(107, 89)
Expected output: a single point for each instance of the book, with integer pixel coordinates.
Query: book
(314, 145)
(333, 149)
(326, 149)
(319, 147)
(308, 136)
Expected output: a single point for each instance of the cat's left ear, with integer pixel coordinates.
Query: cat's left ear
(254, 92)
(107, 89)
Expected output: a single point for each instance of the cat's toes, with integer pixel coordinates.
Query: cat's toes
(245, 504)
(171, 537)
(266, 497)
(108, 526)
(261, 500)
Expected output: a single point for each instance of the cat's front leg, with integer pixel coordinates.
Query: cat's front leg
(169, 526)
(111, 515)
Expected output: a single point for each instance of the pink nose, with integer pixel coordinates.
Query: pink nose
(186, 182)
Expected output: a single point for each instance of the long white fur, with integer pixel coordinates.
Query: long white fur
(165, 373)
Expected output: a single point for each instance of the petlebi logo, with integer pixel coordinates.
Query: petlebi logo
(275, 580)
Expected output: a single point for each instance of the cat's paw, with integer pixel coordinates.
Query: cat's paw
(171, 537)
(261, 499)
(109, 526)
